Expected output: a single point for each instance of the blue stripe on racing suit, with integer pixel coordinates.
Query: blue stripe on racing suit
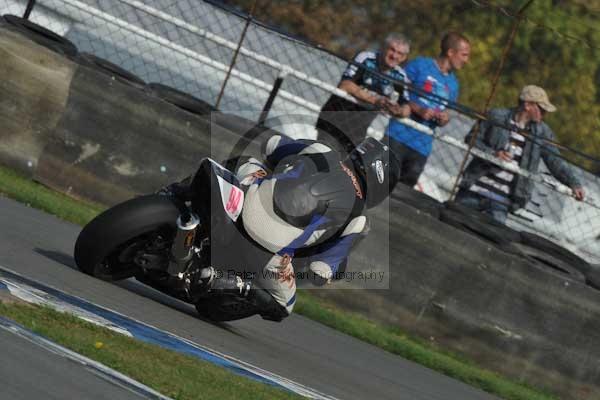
(334, 253)
(315, 223)
(287, 147)
(291, 301)
(293, 173)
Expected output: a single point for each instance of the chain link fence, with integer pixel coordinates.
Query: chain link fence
(195, 47)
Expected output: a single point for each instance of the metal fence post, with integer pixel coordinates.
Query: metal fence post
(28, 9)
(269, 104)
(235, 54)
(475, 130)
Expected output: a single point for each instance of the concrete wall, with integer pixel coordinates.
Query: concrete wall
(86, 134)
(459, 292)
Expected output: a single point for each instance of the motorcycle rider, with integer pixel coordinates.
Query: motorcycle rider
(303, 202)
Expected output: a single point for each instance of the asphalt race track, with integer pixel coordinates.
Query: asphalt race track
(29, 371)
(39, 246)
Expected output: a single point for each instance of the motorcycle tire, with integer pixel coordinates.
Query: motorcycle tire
(181, 99)
(42, 36)
(99, 247)
(109, 68)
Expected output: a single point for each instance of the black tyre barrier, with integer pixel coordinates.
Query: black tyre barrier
(181, 99)
(557, 251)
(432, 212)
(42, 36)
(417, 199)
(554, 265)
(247, 129)
(109, 68)
(477, 226)
(508, 233)
(592, 277)
(234, 123)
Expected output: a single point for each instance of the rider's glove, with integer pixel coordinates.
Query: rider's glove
(321, 273)
(251, 171)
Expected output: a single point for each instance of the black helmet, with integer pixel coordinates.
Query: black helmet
(378, 169)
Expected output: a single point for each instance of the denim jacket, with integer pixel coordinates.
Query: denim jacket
(492, 138)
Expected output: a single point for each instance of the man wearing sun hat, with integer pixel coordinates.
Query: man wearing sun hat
(496, 191)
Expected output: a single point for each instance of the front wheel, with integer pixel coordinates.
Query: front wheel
(109, 247)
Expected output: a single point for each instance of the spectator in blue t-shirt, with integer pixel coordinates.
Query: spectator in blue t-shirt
(435, 76)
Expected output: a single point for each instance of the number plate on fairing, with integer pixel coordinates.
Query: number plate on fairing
(233, 198)
(231, 195)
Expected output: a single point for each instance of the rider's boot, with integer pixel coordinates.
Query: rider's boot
(268, 307)
(227, 283)
(217, 282)
(209, 280)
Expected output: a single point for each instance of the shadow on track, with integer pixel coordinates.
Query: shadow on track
(140, 289)
(57, 256)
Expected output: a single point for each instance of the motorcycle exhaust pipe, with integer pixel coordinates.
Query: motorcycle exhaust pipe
(181, 251)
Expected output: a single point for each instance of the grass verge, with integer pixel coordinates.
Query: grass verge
(389, 339)
(37, 196)
(172, 374)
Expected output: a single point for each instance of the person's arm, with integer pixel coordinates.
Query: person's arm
(330, 261)
(486, 132)
(366, 96)
(353, 75)
(399, 110)
(413, 74)
(423, 112)
(443, 117)
(360, 93)
(559, 168)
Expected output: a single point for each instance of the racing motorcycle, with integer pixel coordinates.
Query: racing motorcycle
(166, 240)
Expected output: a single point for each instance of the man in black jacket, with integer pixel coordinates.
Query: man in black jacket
(369, 79)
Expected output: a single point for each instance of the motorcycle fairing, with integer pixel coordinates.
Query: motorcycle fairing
(216, 198)
(232, 196)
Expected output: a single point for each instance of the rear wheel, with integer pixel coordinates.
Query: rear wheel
(123, 239)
